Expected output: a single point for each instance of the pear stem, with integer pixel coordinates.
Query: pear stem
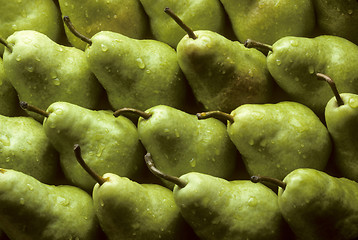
(249, 43)
(175, 17)
(256, 179)
(6, 44)
(70, 26)
(32, 108)
(93, 174)
(138, 112)
(333, 86)
(216, 114)
(150, 164)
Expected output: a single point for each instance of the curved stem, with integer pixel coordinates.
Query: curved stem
(175, 17)
(93, 174)
(124, 111)
(32, 108)
(150, 164)
(249, 43)
(277, 182)
(70, 26)
(216, 114)
(333, 86)
(6, 44)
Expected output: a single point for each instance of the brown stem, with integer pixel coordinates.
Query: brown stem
(249, 43)
(216, 114)
(124, 111)
(93, 174)
(150, 164)
(6, 44)
(175, 17)
(70, 26)
(277, 182)
(333, 86)
(32, 108)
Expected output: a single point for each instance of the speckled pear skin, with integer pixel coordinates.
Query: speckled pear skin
(198, 14)
(43, 72)
(39, 15)
(342, 125)
(109, 144)
(30, 210)
(180, 143)
(268, 21)
(25, 147)
(223, 74)
(294, 62)
(319, 206)
(229, 210)
(136, 73)
(90, 17)
(129, 210)
(275, 139)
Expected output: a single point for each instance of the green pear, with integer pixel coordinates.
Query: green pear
(338, 18)
(227, 210)
(110, 144)
(43, 72)
(135, 73)
(274, 139)
(129, 210)
(31, 210)
(180, 143)
(341, 116)
(318, 206)
(92, 16)
(39, 15)
(25, 147)
(9, 101)
(294, 61)
(199, 14)
(268, 21)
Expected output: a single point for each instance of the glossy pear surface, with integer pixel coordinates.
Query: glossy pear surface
(223, 74)
(275, 139)
(109, 144)
(319, 206)
(136, 73)
(31, 210)
(294, 62)
(43, 72)
(180, 143)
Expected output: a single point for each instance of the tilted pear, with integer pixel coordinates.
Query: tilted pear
(31, 210)
(90, 17)
(180, 143)
(109, 144)
(25, 147)
(43, 72)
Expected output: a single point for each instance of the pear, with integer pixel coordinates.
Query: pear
(135, 73)
(222, 73)
(43, 72)
(110, 144)
(268, 21)
(39, 15)
(294, 61)
(317, 205)
(341, 116)
(31, 210)
(129, 210)
(274, 139)
(180, 143)
(92, 16)
(227, 210)
(25, 147)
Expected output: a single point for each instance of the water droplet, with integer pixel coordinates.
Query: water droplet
(350, 11)
(353, 102)
(58, 111)
(140, 63)
(104, 48)
(115, 16)
(278, 62)
(192, 162)
(251, 142)
(14, 27)
(252, 201)
(56, 81)
(100, 149)
(30, 187)
(5, 140)
(29, 68)
(294, 43)
(22, 201)
(311, 69)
